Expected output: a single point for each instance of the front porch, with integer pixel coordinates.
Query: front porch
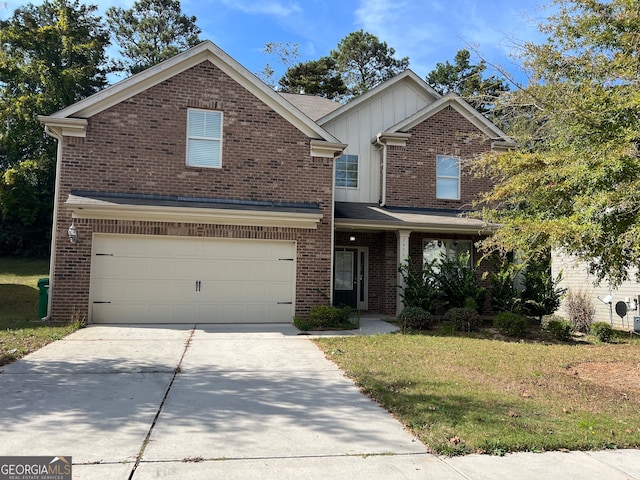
(372, 242)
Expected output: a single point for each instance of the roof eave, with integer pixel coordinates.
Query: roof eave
(355, 224)
(219, 216)
(500, 138)
(205, 51)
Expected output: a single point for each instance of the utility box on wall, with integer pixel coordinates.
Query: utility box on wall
(636, 324)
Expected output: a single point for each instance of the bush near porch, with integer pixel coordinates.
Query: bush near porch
(452, 286)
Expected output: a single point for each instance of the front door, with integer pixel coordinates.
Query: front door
(345, 278)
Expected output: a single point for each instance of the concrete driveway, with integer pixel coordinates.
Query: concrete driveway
(206, 401)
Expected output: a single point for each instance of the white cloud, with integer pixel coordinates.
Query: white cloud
(432, 31)
(277, 9)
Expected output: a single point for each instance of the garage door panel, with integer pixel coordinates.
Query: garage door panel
(183, 280)
(273, 313)
(157, 267)
(236, 270)
(187, 268)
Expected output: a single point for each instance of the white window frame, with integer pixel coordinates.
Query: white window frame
(357, 162)
(215, 162)
(440, 196)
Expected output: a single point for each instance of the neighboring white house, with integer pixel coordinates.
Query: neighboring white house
(576, 277)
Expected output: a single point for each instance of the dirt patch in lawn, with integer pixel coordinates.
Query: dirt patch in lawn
(622, 376)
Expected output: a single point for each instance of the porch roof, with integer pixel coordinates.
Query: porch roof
(167, 208)
(371, 216)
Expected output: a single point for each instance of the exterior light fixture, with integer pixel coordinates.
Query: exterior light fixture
(352, 238)
(73, 234)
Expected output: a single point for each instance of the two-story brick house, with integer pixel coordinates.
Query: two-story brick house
(192, 192)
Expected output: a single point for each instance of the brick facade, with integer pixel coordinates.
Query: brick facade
(411, 170)
(411, 182)
(138, 147)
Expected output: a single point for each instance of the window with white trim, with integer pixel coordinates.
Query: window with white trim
(447, 177)
(204, 138)
(433, 250)
(347, 171)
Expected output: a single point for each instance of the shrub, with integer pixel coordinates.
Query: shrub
(602, 331)
(580, 309)
(505, 294)
(558, 327)
(326, 316)
(421, 286)
(301, 324)
(458, 281)
(463, 319)
(511, 324)
(414, 318)
(541, 295)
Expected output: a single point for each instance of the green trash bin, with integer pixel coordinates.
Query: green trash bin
(43, 287)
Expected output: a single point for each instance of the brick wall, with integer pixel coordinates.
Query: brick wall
(139, 146)
(411, 170)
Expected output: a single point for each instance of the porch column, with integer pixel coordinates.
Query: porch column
(403, 255)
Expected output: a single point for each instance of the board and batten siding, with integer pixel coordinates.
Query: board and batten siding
(358, 126)
(576, 277)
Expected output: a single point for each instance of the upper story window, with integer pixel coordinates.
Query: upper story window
(447, 177)
(204, 138)
(347, 171)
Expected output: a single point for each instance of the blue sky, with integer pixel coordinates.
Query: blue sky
(427, 31)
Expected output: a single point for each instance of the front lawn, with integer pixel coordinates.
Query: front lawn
(21, 331)
(462, 395)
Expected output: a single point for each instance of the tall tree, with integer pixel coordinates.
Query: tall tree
(365, 61)
(51, 56)
(151, 31)
(286, 53)
(573, 182)
(316, 77)
(468, 81)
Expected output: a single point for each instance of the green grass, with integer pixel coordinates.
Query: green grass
(21, 331)
(463, 395)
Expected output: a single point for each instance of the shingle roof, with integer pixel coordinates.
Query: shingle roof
(373, 216)
(115, 199)
(312, 106)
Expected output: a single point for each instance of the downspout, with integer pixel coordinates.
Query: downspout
(54, 229)
(383, 193)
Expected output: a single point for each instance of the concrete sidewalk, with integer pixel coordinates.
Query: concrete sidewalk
(232, 402)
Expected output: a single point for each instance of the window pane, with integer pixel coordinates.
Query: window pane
(458, 247)
(344, 271)
(204, 129)
(433, 250)
(203, 153)
(196, 123)
(205, 124)
(347, 171)
(213, 124)
(448, 166)
(447, 188)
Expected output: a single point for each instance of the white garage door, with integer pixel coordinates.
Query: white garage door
(152, 279)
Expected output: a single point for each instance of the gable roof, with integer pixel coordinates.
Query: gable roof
(73, 116)
(312, 106)
(463, 108)
(405, 76)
